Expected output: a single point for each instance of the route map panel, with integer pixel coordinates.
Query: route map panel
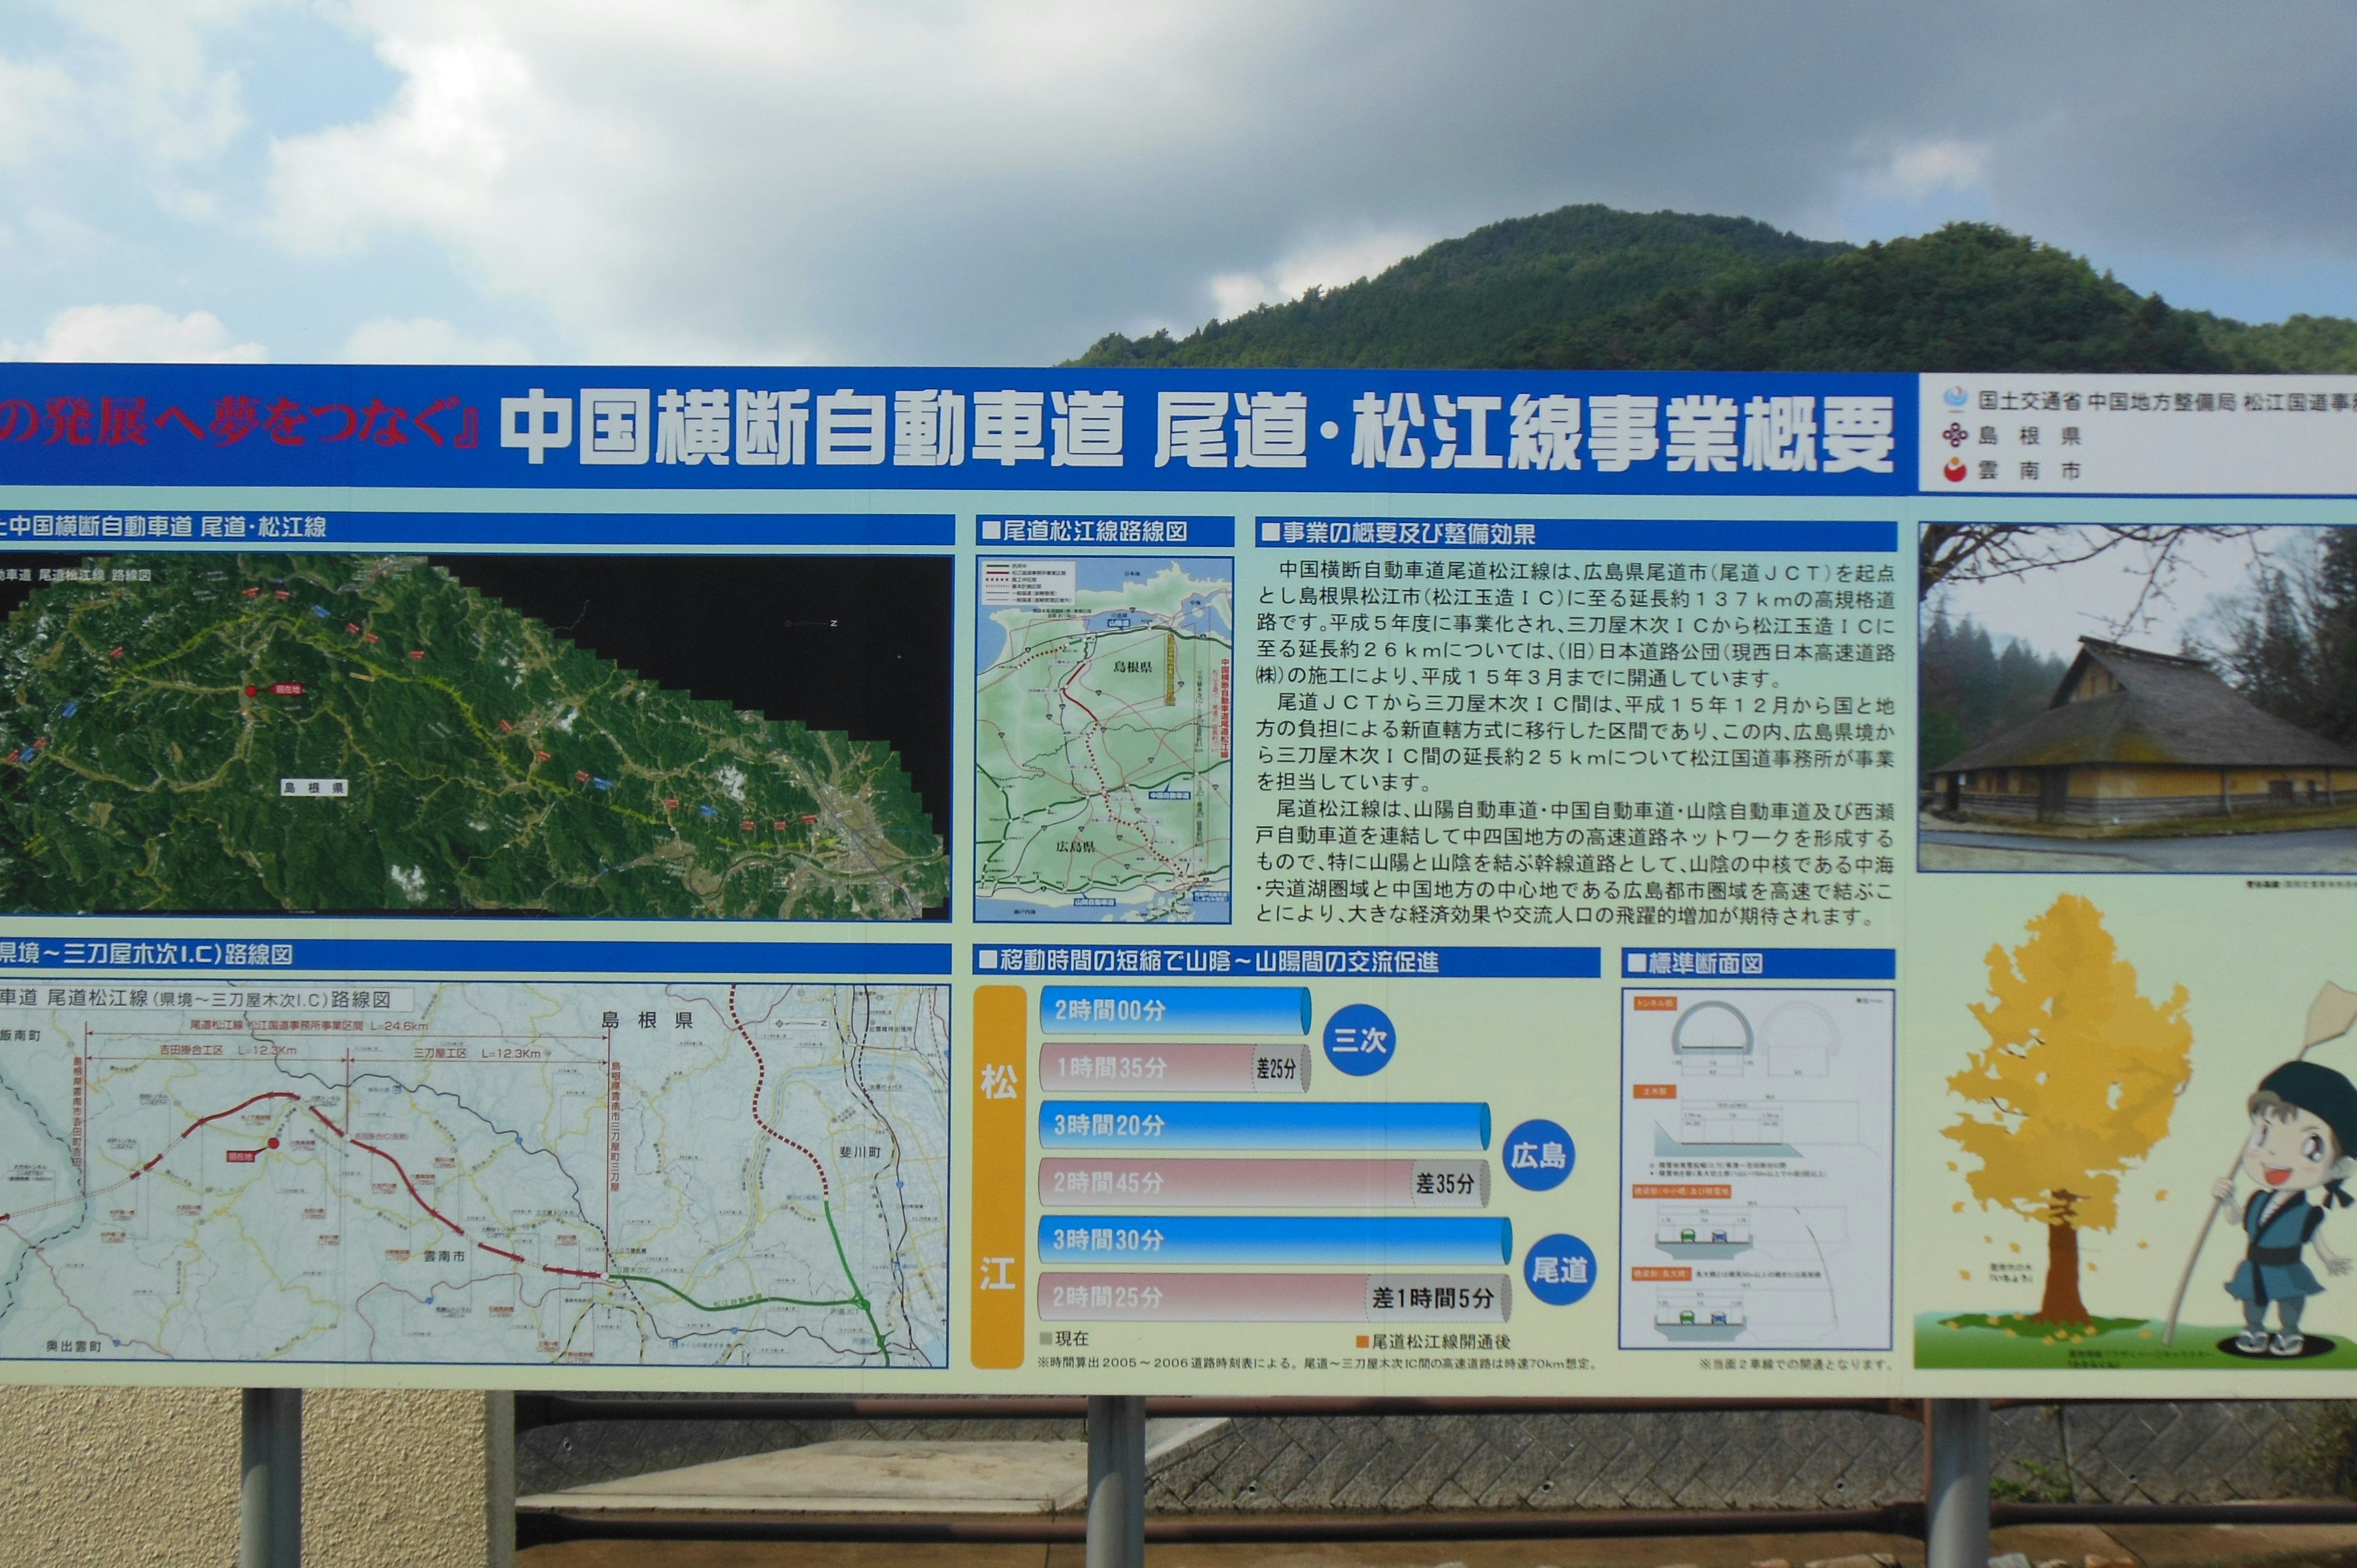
(491, 1173)
(1103, 741)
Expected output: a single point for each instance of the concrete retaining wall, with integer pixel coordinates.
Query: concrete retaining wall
(149, 1475)
(394, 1480)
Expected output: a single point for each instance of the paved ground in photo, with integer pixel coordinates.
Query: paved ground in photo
(2131, 1546)
(2290, 853)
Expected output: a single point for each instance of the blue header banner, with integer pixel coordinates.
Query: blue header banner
(1556, 533)
(322, 955)
(1257, 962)
(640, 428)
(369, 530)
(1759, 964)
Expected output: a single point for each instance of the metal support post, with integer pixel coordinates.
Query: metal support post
(1956, 1435)
(1117, 1482)
(500, 1479)
(270, 1498)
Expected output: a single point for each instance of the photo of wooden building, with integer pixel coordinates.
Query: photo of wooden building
(2135, 737)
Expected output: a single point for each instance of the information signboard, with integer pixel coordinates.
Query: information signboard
(1070, 881)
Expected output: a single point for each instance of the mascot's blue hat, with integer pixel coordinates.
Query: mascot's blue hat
(2328, 1095)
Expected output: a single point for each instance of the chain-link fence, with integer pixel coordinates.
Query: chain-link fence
(2176, 1452)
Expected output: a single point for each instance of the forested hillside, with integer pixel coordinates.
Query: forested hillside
(2288, 640)
(1590, 288)
(1973, 688)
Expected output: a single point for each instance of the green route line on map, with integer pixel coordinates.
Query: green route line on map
(857, 1298)
(732, 1305)
(852, 1280)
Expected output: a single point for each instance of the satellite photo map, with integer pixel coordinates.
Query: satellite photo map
(366, 733)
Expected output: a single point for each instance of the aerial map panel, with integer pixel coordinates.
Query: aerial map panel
(367, 734)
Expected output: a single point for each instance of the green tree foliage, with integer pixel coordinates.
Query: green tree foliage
(1592, 288)
(1973, 689)
(1969, 297)
(2288, 641)
(2301, 345)
(1462, 301)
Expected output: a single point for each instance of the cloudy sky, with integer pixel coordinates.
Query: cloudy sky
(2130, 594)
(720, 180)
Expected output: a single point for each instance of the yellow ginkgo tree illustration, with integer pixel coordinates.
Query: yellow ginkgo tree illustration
(2077, 1083)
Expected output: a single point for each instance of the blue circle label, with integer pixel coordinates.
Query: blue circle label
(1559, 1270)
(1538, 1155)
(1360, 1039)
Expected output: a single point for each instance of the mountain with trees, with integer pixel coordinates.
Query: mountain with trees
(1461, 301)
(2288, 641)
(1593, 288)
(1974, 688)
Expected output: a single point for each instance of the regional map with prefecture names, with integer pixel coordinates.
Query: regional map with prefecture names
(1103, 741)
(493, 1173)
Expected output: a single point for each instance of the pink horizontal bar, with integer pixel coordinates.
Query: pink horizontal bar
(1274, 1298)
(1221, 1068)
(1110, 1182)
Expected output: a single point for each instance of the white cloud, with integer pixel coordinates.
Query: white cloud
(1919, 170)
(966, 181)
(1328, 265)
(135, 333)
(694, 182)
(34, 99)
(425, 341)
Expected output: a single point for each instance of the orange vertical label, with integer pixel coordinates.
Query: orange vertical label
(1001, 1123)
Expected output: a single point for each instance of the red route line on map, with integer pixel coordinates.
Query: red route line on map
(1105, 786)
(157, 1159)
(218, 1115)
(455, 1227)
(356, 1142)
(760, 1081)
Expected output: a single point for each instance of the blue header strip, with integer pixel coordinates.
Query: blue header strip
(1554, 533)
(1264, 962)
(1104, 533)
(863, 428)
(323, 955)
(429, 530)
(1759, 964)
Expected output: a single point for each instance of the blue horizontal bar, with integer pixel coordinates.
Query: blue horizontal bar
(1302, 532)
(1759, 964)
(1322, 1125)
(1101, 531)
(318, 955)
(460, 428)
(93, 530)
(654, 527)
(1189, 960)
(1173, 1009)
(1346, 1240)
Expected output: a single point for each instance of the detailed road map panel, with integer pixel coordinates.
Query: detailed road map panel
(489, 1174)
(337, 732)
(1102, 740)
